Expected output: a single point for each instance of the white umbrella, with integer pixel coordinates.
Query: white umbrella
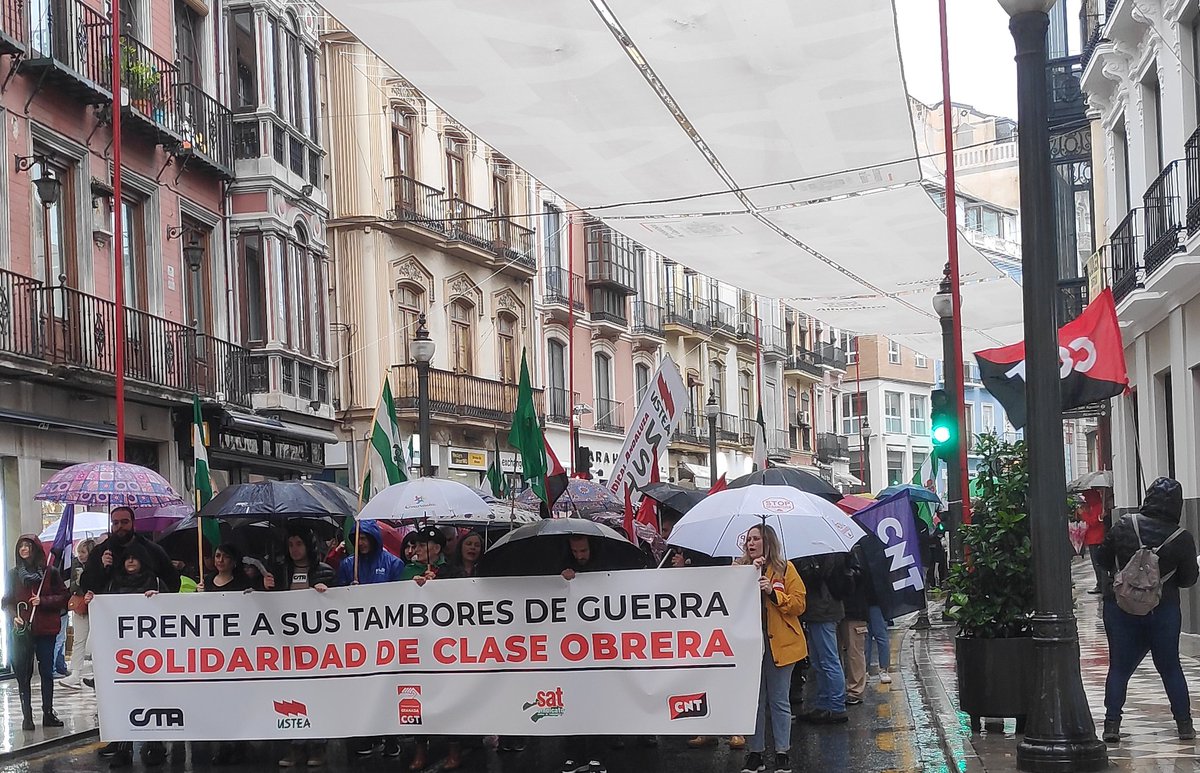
(807, 525)
(425, 499)
(86, 526)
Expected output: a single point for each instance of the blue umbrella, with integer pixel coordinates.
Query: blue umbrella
(916, 493)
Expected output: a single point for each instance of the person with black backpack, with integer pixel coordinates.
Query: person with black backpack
(827, 581)
(1152, 557)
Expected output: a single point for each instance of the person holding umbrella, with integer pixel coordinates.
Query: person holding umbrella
(783, 601)
(35, 598)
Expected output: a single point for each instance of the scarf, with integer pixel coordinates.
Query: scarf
(29, 575)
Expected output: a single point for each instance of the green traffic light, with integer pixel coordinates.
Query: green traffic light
(941, 434)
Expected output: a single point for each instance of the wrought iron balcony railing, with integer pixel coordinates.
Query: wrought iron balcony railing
(415, 202)
(461, 395)
(647, 319)
(1125, 250)
(1163, 210)
(609, 415)
(563, 287)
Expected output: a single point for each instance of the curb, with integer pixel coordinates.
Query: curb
(50, 743)
(960, 752)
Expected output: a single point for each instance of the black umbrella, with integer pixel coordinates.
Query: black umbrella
(674, 496)
(790, 476)
(543, 548)
(283, 499)
(180, 540)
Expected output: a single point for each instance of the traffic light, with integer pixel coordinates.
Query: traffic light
(945, 423)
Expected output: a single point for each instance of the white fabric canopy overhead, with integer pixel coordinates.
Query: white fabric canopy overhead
(793, 116)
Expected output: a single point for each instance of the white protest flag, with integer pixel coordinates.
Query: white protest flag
(617, 653)
(385, 462)
(659, 413)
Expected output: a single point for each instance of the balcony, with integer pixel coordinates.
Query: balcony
(470, 224)
(68, 330)
(1065, 98)
(1192, 159)
(647, 320)
(149, 81)
(1072, 298)
(607, 312)
(687, 314)
(774, 343)
(747, 327)
(609, 416)
(779, 445)
(723, 319)
(831, 447)
(460, 396)
(804, 363)
(689, 431)
(1092, 16)
(513, 243)
(257, 136)
(204, 129)
(832, 356)
(728, 428)
(749, 430)
(71, 48)
(559, 404)
(610, 259)
(563, 288)
(13, 29)
(417, 209)
(1164, 214)
(472, 230)
(1125, 251)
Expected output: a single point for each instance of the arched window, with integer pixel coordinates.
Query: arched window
(300, 293)
(506, 328)
(410, 302)
(641, 379)
(462, 336)
(560, 401)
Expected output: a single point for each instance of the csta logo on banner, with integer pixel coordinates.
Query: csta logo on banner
(158, 717)
(547, 703)
(292, 715)
(688, 706)
(409, 704)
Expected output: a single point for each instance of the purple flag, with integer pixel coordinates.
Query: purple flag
(896, 571)
(66, 528)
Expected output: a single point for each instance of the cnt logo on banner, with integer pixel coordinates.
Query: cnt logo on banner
(658, 415)
(607, 653)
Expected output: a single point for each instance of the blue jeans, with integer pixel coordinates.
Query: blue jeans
(60, 647)
(1130, 637)
(827, 666)
(878, 639)
(773, 695)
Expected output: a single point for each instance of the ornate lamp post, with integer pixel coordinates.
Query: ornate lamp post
(422, 349)
(1059, 732)
(864, 431)
(711, 412)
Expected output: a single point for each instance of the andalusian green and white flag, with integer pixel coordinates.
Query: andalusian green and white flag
(926, 477)
(386, 464)
(210, 528)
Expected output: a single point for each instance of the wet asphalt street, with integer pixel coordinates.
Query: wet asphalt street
(891, 731)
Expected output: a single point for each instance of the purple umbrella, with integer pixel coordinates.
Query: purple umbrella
(582, 498)
(108, 485)
(163, 517)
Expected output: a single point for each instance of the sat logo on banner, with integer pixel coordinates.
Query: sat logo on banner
(608, 653)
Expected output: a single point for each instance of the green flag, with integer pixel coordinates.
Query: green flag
(210, 528)
(526, 435)
(922, 478)
(495, 474)
(386, 463)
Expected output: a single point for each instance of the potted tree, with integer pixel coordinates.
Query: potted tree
(991, 593)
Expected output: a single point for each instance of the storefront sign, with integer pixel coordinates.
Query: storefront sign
(286, 450)
(468, 459)
(636, 653)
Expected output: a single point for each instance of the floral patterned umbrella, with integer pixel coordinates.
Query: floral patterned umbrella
(109, 484)
(582, 498)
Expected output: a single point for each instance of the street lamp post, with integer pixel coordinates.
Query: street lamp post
(711, 411)
(1060, 734)
(422, 349)
(943, 304)
(864, 449)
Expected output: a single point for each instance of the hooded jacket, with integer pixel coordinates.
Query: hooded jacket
(145, 580)
(818, 573)
(96, 576)
(22, 586)
(1158, 519)
(375, 566)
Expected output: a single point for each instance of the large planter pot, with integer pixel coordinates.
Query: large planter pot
(995, 677)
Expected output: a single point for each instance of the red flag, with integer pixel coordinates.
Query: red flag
(1091, 359)
(556, 480)
(720, 485)
(629, 528)
(646, 514)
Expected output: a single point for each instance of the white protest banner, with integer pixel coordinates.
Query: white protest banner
(648, 652)
(658, 415)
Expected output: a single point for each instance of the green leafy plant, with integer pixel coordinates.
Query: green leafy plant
(991, 594)
(140, 77)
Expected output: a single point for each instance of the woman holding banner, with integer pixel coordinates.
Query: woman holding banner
(783, 601)
(35, 598)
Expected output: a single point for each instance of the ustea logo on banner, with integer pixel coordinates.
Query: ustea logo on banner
(688, 706)
(547, 703)
(292, 715)
(154, 719)
(409, 704)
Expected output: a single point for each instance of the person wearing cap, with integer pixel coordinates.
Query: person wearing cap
(429, 559)
(429, 563)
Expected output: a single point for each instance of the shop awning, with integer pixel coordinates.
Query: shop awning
(699, 474)
(255, 423)
(38, 421)
(767, 144)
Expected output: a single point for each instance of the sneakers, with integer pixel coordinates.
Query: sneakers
(885, 677)
(293, 758)
(109, 750)
(782, 764)
(853, 701)
(89, 682)
(316, 758)
(1112, 731)
(754, 763)
(1187, 731)
(825, 717)
(391, 747)
(71, 683)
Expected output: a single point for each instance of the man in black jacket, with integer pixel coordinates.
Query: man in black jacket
(105, 560)
(826, 580)
(1130, 637)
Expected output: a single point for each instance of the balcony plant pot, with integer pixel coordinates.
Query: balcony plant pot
(995, 677)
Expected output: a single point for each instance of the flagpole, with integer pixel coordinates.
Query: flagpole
(363, 479)
(199, 535)
(574, 439)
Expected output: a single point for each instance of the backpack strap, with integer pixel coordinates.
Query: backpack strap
(1174, 534)
(1136, 531)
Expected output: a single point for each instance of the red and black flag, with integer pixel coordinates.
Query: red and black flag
(556, 480)
(1091, 359)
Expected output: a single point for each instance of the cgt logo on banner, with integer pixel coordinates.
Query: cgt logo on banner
(159, 718)
(547, 703)
(409, 704)
(292, 715)
(688, 706)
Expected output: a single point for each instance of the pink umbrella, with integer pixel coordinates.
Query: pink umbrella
(109, 484)
(155, 519)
